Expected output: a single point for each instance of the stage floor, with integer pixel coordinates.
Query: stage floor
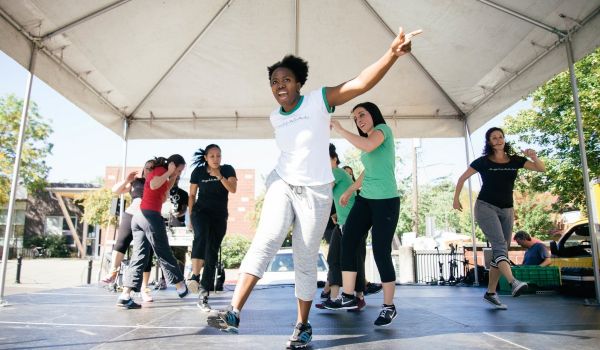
(428, 317)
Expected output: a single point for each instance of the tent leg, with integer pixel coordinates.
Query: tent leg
(124, 169)
(586, 179)
(15, 174)
(473, 237)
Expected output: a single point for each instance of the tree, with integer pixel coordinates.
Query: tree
(533, 214)
(551, 124)
(36, 148)
(96, 206)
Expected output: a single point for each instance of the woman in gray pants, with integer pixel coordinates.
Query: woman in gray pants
(299, 189)
(149, 231)
(498, 167)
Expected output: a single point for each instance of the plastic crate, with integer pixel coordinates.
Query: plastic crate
(538, 277)
(572, 262)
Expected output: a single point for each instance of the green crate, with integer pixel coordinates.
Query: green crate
(537, 277)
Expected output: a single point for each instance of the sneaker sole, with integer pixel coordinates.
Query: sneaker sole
(221, 325)
(127, 307)
(203, 309)
(520, 291)
(341, 308)
(499, 307)
(300, 346)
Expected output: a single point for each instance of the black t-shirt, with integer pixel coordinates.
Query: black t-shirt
(137, 188)
(179, 200)
(498, 180)
(212, 196)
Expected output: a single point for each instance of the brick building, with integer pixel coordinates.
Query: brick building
(241, 203)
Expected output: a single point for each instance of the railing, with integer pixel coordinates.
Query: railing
(427, 264)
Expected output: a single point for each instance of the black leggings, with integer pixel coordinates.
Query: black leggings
(334, 276)
(209, 231)
(382, 216)
(125, 236)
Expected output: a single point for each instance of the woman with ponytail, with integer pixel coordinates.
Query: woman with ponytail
(210, 185)
(149, 231)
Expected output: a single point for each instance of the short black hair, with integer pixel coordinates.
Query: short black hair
(297, 65)
(333, 154)
(522, 235)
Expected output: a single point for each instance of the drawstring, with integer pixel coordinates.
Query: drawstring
(299, 191)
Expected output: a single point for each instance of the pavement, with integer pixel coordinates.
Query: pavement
(40, 316)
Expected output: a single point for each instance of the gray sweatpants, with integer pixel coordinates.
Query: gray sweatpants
(496, 224)
(307, 208)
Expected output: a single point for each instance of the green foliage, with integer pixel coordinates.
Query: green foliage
(233, 249)
(96, 206)
(254, 215)
(56, 245)
(533, 214)
(551, 124)
(33, 168)
(435, 200)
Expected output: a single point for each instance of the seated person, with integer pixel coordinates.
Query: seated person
(536, 254)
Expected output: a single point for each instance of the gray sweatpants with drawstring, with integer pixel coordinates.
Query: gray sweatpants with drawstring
(496, 224)
(307, 208)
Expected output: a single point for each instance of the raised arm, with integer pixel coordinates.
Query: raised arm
(158, 181)
(125, 185)
(371, 75)
(366, 144)
(459, 185)
(534, 163)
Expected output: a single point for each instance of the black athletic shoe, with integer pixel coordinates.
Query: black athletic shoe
(128, 304)
(343, 302)
(301, 337)
(387, 314)
(184, 293)
(225, 320)
(203, 304)
(373, 288)
(325, 295)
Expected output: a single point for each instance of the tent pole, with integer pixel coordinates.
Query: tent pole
(124, 166)
(586, 179)
(15, 174)
(473, 237)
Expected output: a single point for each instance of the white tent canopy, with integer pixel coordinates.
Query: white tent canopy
(197, 69)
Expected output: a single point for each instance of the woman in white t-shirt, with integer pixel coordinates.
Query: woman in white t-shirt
(299, 189)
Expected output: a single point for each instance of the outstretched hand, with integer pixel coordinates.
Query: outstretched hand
(529, 153)
(402, 43)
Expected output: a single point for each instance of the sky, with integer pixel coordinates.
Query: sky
(83, 147)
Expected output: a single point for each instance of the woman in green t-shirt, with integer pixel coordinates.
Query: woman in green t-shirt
(376, 208)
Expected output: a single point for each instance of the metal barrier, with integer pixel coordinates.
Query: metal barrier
(427, 265)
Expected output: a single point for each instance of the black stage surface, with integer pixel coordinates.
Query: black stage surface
(429, 317)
